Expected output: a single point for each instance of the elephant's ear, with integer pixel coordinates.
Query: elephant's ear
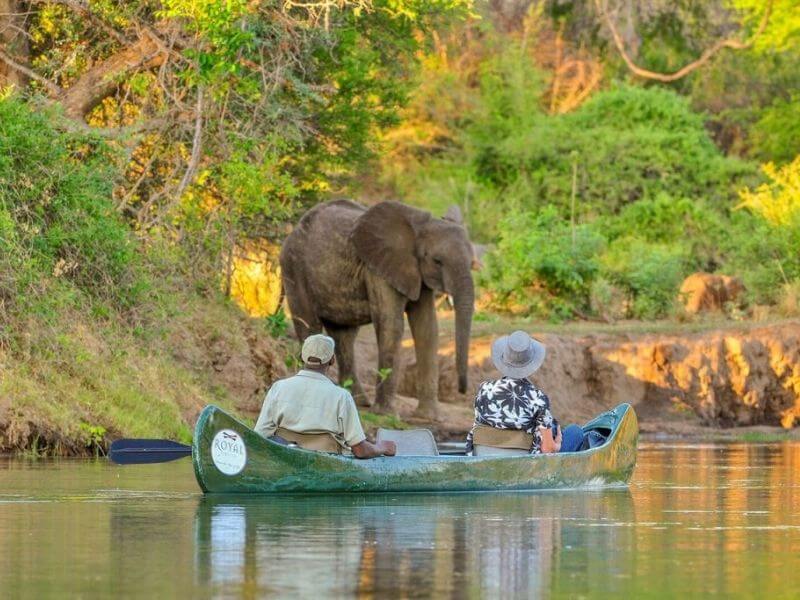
(454, 214)
(385, 239)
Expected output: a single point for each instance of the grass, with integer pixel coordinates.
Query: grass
(488, 324)
(81, 381)
(372, 420)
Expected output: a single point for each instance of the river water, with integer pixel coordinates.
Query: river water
(710, 519)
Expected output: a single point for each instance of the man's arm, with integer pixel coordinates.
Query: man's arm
(366, 449)
(354, 434)
(266, 424)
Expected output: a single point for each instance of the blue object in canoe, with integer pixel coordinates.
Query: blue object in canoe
(229, 457)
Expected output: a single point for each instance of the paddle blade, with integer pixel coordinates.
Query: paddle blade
(132, 452)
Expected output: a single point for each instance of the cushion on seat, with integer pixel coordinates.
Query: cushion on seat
(484, 435)
(321, 442)
(410, 442)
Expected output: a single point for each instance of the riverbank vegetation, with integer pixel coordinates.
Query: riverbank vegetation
(598, 191)
(150, 153)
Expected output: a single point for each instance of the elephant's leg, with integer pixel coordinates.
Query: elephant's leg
(424, 329)
(387, 314)
(345, 338)
(304, 317)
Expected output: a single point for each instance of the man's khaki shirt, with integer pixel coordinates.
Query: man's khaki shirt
(309, 402)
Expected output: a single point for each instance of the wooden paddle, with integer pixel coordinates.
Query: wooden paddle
(133, 452)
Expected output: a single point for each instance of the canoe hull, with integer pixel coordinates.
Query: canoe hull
(268, 467)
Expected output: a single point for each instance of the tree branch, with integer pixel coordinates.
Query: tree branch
(99, 81)
(732, 43)
(30, 73)
(82, 7)
(194, 159)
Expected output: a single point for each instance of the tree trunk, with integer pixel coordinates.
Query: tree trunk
(14, 41)
(99, 81)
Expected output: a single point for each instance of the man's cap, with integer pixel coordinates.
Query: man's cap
(317, 349)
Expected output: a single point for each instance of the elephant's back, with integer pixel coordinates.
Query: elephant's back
(331, 221)
(318, 253)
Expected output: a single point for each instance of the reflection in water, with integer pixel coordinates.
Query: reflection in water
(712, 519)
(503, 544)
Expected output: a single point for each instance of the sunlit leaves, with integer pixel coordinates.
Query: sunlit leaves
(778, 201)
(783, 29)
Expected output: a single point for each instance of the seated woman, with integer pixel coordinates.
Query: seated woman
(514, 403)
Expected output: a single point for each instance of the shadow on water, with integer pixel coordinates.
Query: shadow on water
(410, 545)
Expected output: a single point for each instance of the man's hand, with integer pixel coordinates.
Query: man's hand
(550, 445)
(368, 450)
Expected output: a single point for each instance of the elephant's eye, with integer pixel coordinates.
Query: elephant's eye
(437, 262)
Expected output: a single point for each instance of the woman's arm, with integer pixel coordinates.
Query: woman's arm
(550, 445)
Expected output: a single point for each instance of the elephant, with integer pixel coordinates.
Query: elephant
(346, 265)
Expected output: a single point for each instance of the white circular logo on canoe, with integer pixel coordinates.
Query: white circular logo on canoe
(228, 452)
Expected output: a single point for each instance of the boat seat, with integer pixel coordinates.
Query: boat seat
(490, 441)
(321, 442)
(410, 442)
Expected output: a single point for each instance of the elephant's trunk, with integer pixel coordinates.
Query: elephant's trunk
(464, 303)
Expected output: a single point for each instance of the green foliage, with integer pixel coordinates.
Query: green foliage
(775, 136)
(56, 214)
(632, 144)
(277, 324)
(670, 221)
(767, 257)
(783, 29)
(649, 273)
(779, 200)
(542, 265)
(375, 421)
(764, 245)
(94, 436)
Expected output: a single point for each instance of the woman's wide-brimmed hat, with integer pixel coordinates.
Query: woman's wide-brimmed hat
(517, 355)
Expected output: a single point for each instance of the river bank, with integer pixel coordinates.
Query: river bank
(701, 380)
(98, 381)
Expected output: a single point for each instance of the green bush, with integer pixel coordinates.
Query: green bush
(776, 135)
(56, 214)
(764, 255)
(631, 144)
(543, 266)
(669, 221)
(650, 273)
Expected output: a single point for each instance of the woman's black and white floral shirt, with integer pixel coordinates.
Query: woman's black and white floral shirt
(508, 403)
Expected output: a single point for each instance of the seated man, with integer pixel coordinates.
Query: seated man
(309, 402)
(513, 402)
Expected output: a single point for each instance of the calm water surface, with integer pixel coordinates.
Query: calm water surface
(697, 520)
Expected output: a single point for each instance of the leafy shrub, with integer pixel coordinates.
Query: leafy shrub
(764, 242)
(56, 214)
(779, 200)
(542, 265)
(631, 144)
(668, 220)
(765, 256)
(776, 134)
(649, 272)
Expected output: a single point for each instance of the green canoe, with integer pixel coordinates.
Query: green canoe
(229, 457)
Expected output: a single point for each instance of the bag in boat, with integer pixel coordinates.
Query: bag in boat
(596, 431)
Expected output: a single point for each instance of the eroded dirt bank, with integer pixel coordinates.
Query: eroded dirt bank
(677, 383)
